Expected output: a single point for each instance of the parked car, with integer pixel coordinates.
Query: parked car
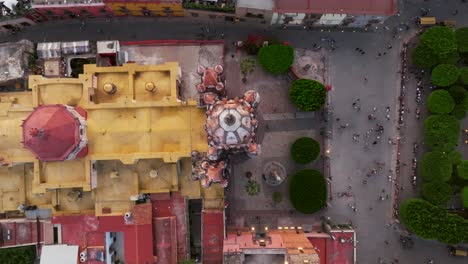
(458, 252)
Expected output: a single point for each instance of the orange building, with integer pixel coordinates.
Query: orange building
(165, 8)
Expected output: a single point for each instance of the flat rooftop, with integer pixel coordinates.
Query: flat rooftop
(352, 7)
(257, 4)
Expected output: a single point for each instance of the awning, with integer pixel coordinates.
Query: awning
(49, 50)
(75, 47)
(59, 254)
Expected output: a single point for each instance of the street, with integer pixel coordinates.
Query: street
(364, 166)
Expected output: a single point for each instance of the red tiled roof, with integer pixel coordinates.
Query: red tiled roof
(86, 230)
(213, 236)
(21, 232)
(352, 7)
(165, 239)
(51, 132)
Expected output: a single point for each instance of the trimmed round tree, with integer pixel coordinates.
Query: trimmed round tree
(461, 36)
(436, 167)
(444, 75)
(462, 169)
(308, 191)
(308, 95)
(417, 216)
(441, 40)
(464, 195)
(276, 59)
(458, 93)
(459, 111)
(437, 193)
(440, 102)
(424, 57)
(305, 150)
(432, 222)
(455, 156)
(441, 132)
(464, 75)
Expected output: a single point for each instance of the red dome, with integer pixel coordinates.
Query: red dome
(52, 132)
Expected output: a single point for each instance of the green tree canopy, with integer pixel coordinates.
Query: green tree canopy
(276, 59)
(464, 75)
(458, 93)
(437, 193)
(308, 191)
(441, 40)
(440, 102)
(441, 132)
(18, 255)
(464, 195)
(424, 57)
(305, 150)
(461, 35)
(462, 169)
(444, 75)
(308, 95)
(455, 156)
(432, 222)
(436, 167)
(459, 111)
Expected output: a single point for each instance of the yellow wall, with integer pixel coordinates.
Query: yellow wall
(135, 8)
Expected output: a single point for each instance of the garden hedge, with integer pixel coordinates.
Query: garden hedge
(455, 156)
(308, 95)
(437, 193)
(308, 191)
(464, 75)
(440, 102)
(461, 36)
(464, 195)
(441, 40)
(424, 57)
(18, 255)
(462, 169)
(276, 59)
(441, 132)
(436, 167)
(458, 93)
(444, 75)
(431, 222)
(305, 150)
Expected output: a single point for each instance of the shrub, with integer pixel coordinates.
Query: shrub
(252, 187)
(445, 75)
(308, 95)
(462, 169)
(276, 58)
(436, 167)
(305, 150)
(308, 191)
(215, 8)
(461, 35)
(464, 195)
(247, 66)
(437, 193)
(424, 57)
(464, 75)
(432, 222)
(440, 102)
(459, 111)
(455, 156)
(458, 93)
(441, 40)
(277, 197)
(441, 132)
